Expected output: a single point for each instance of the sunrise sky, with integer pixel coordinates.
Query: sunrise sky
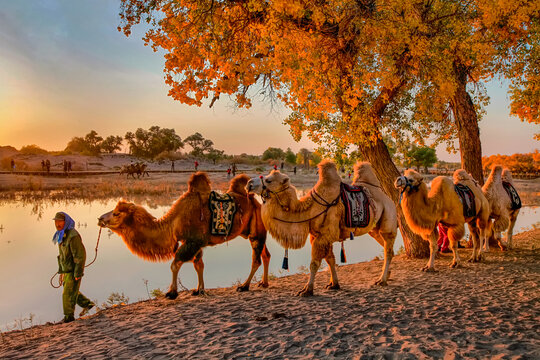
(66, 70)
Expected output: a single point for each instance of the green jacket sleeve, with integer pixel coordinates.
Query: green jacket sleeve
(59, 266)
(79, 255)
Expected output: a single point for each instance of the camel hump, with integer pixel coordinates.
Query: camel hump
(199, 182)
(507, 176)
(363, 172)
(238, 184)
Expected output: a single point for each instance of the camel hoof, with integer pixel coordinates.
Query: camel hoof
(242, 288)
(471, 260)
(262, 284)
(171, 295)
(305, 293)
(454, 265)
(332, 286)
(380, 282)
(198, 292)
(429, 269)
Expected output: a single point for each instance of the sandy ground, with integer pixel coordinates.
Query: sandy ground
(487, 310)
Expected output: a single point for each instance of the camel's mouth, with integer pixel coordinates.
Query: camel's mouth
(400, 182)
(104, 220)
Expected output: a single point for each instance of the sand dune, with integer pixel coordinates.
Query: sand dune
(487, 310)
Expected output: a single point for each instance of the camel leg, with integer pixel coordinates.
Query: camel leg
(318, 251)
(386, 240)
(509, 232)
(266, 262)
(331, 261)
(432, 239)
(476, 239)
(257, 247)
(198, 264)
(186, 252)
(172, 293)
(454, 237)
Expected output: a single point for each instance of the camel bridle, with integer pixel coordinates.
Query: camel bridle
(408, 186)
(266, 194)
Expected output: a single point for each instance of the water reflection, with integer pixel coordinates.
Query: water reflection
(28, 258)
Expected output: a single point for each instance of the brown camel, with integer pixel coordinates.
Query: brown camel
(424, 209)
(188, 222)
(321, 215)
(502, 216)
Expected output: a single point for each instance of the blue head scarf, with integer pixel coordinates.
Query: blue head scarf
(59, 235)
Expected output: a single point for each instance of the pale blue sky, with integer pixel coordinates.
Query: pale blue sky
(66, 70)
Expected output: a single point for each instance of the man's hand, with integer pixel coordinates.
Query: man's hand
(61, 279)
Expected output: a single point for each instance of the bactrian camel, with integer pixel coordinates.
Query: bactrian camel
(187, 224)
(424, 208)
(321, 215)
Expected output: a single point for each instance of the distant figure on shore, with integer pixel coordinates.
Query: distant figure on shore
(172, 165)
(69, 166)
(275, 167)
(233, 169)
(281, 166)
(349, 174)
(12, 165)
(71, 260)
(228, 172)
(196, 165)
(48, 165)
(294, 170)
(43, 167)
(65, 166)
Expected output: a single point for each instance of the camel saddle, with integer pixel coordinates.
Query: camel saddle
(514, 196)
(222, 209)
(356, 204)
(466, 196)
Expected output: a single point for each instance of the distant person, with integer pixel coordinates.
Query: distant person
(349, 174)
(48, 165)
(71, 260)
(12, 165)
(294, 170)
(196, 165)
(275, 167)
(65, 165)
(43, 167)
(281, 166)
(228, 172)
(69, 166)
(172, 165)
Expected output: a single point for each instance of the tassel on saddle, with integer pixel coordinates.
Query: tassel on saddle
(285, 265)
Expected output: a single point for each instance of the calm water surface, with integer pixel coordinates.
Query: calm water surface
(28, 260)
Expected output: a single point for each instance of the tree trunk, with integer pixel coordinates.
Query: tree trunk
(466, 121)
(379, 157)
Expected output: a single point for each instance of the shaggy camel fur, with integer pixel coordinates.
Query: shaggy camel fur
(502, 216)
(188, 222)
(424, 209)
(321, 215)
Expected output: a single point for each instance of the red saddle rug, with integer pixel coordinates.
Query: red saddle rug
(356, 204)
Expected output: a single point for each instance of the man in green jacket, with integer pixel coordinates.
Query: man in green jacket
(71, 262)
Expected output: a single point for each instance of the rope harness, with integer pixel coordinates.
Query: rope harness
(408, 184)
(95, 257)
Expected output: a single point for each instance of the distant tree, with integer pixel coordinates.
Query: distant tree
(199, 144)
(304, 155)
(215, 155)
(421, 157)
(111, 144)
(273, 154)
(33, 150)
(152, 142)
(290, 157)
(315, 158)
(93, 142)
(78, 145)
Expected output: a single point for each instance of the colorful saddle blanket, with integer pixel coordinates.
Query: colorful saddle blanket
(222, 209)
(356, 205)
(466, 196)
(514, 196)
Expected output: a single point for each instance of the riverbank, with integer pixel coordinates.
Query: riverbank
(486, 310)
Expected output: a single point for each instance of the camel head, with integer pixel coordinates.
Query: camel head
(410, 180)
(122, 216)
(274, 182)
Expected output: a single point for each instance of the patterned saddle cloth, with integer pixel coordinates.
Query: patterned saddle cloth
(356, 205)
(514, 196)
(222, 208)
(466, 196)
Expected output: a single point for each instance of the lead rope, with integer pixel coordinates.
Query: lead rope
(95, 257)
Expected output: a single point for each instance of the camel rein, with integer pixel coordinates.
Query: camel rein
(409, 185)
(325, 203)
(87, 265)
